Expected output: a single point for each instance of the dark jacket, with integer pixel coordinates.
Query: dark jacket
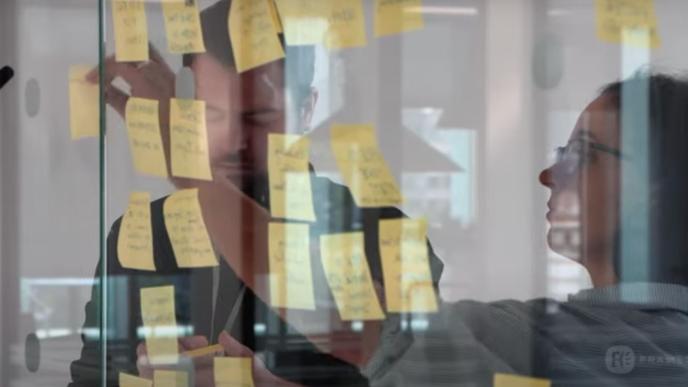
(288, 354)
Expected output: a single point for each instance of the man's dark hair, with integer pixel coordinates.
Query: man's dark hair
(667, 117)
(299, 60)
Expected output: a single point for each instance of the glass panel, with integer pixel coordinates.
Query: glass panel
(50, 194)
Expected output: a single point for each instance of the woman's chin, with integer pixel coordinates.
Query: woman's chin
(565, 242)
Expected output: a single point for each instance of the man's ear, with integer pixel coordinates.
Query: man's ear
(307, 107)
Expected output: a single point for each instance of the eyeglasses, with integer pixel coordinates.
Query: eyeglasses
(572, 156)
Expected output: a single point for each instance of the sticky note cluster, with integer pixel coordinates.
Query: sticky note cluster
(363, 166)
(160, 323)
(291, 279)
(348, 275)
(233, 371)
(187, 231)
(627, 21)
(135, 241)
(84, 107)
(289, 176)
(406, 266)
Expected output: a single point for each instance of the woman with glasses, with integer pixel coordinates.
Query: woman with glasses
(622, 180)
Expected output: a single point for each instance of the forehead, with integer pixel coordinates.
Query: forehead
(599, 120)
(209, 72)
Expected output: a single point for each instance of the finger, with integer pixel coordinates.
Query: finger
(114, 69)
(193, 342)
(141, 349)
(116, 98)
(233, 347)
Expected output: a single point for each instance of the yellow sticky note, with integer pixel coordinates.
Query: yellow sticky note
(233, 371)
(291, 196)
(348, 274)
(145, 141)
(337, 24)
(126, 380)
(84, 108)
(363, 166)
(135, 241)
(406, 266)
(346, 24)
(183, 27)
(505, 380)
(187, 230)
(291, 279)
(162, 378)
(253, 33)
(189, 139)
(131, 30)
(637, 17)
(396, 16)
(160, 324)
(275, 16)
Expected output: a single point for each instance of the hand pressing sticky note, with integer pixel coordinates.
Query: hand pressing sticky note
(348, 274)
(145, 141)
(291, 196)
(84, 107)
(187, 230)
(505, 380)
(189, 139)
(396, 16)
(627, 21)
(131, 30)
(363, 167)
(183, 27)
(406, 266)
(163, 378)
(253, 33)
(126, 380)
(337, 24)
(233, 371)
(135, 241)
(160, 324)
(291, 279)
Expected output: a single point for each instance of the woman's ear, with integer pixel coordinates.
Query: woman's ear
(307, 107)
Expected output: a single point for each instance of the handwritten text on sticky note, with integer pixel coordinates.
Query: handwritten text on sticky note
(397, 16)
(160, 323)
(291, 279)
(84, 108)
(404, 251)
(253, 34)
(135, 241)
(131, 30)
(189, 139)
(143, 128)
(233, 371)
(348, 274)
(363, 166)
(636, 16)
(290, 180)
(183, 27)
(186, 228)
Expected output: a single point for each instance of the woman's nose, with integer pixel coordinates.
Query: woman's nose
(547, 177)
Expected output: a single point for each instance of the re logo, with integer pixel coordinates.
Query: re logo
(620, 359)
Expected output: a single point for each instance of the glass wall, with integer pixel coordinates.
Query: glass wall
(343, 192)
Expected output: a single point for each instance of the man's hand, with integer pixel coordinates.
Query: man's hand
(203, 366)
